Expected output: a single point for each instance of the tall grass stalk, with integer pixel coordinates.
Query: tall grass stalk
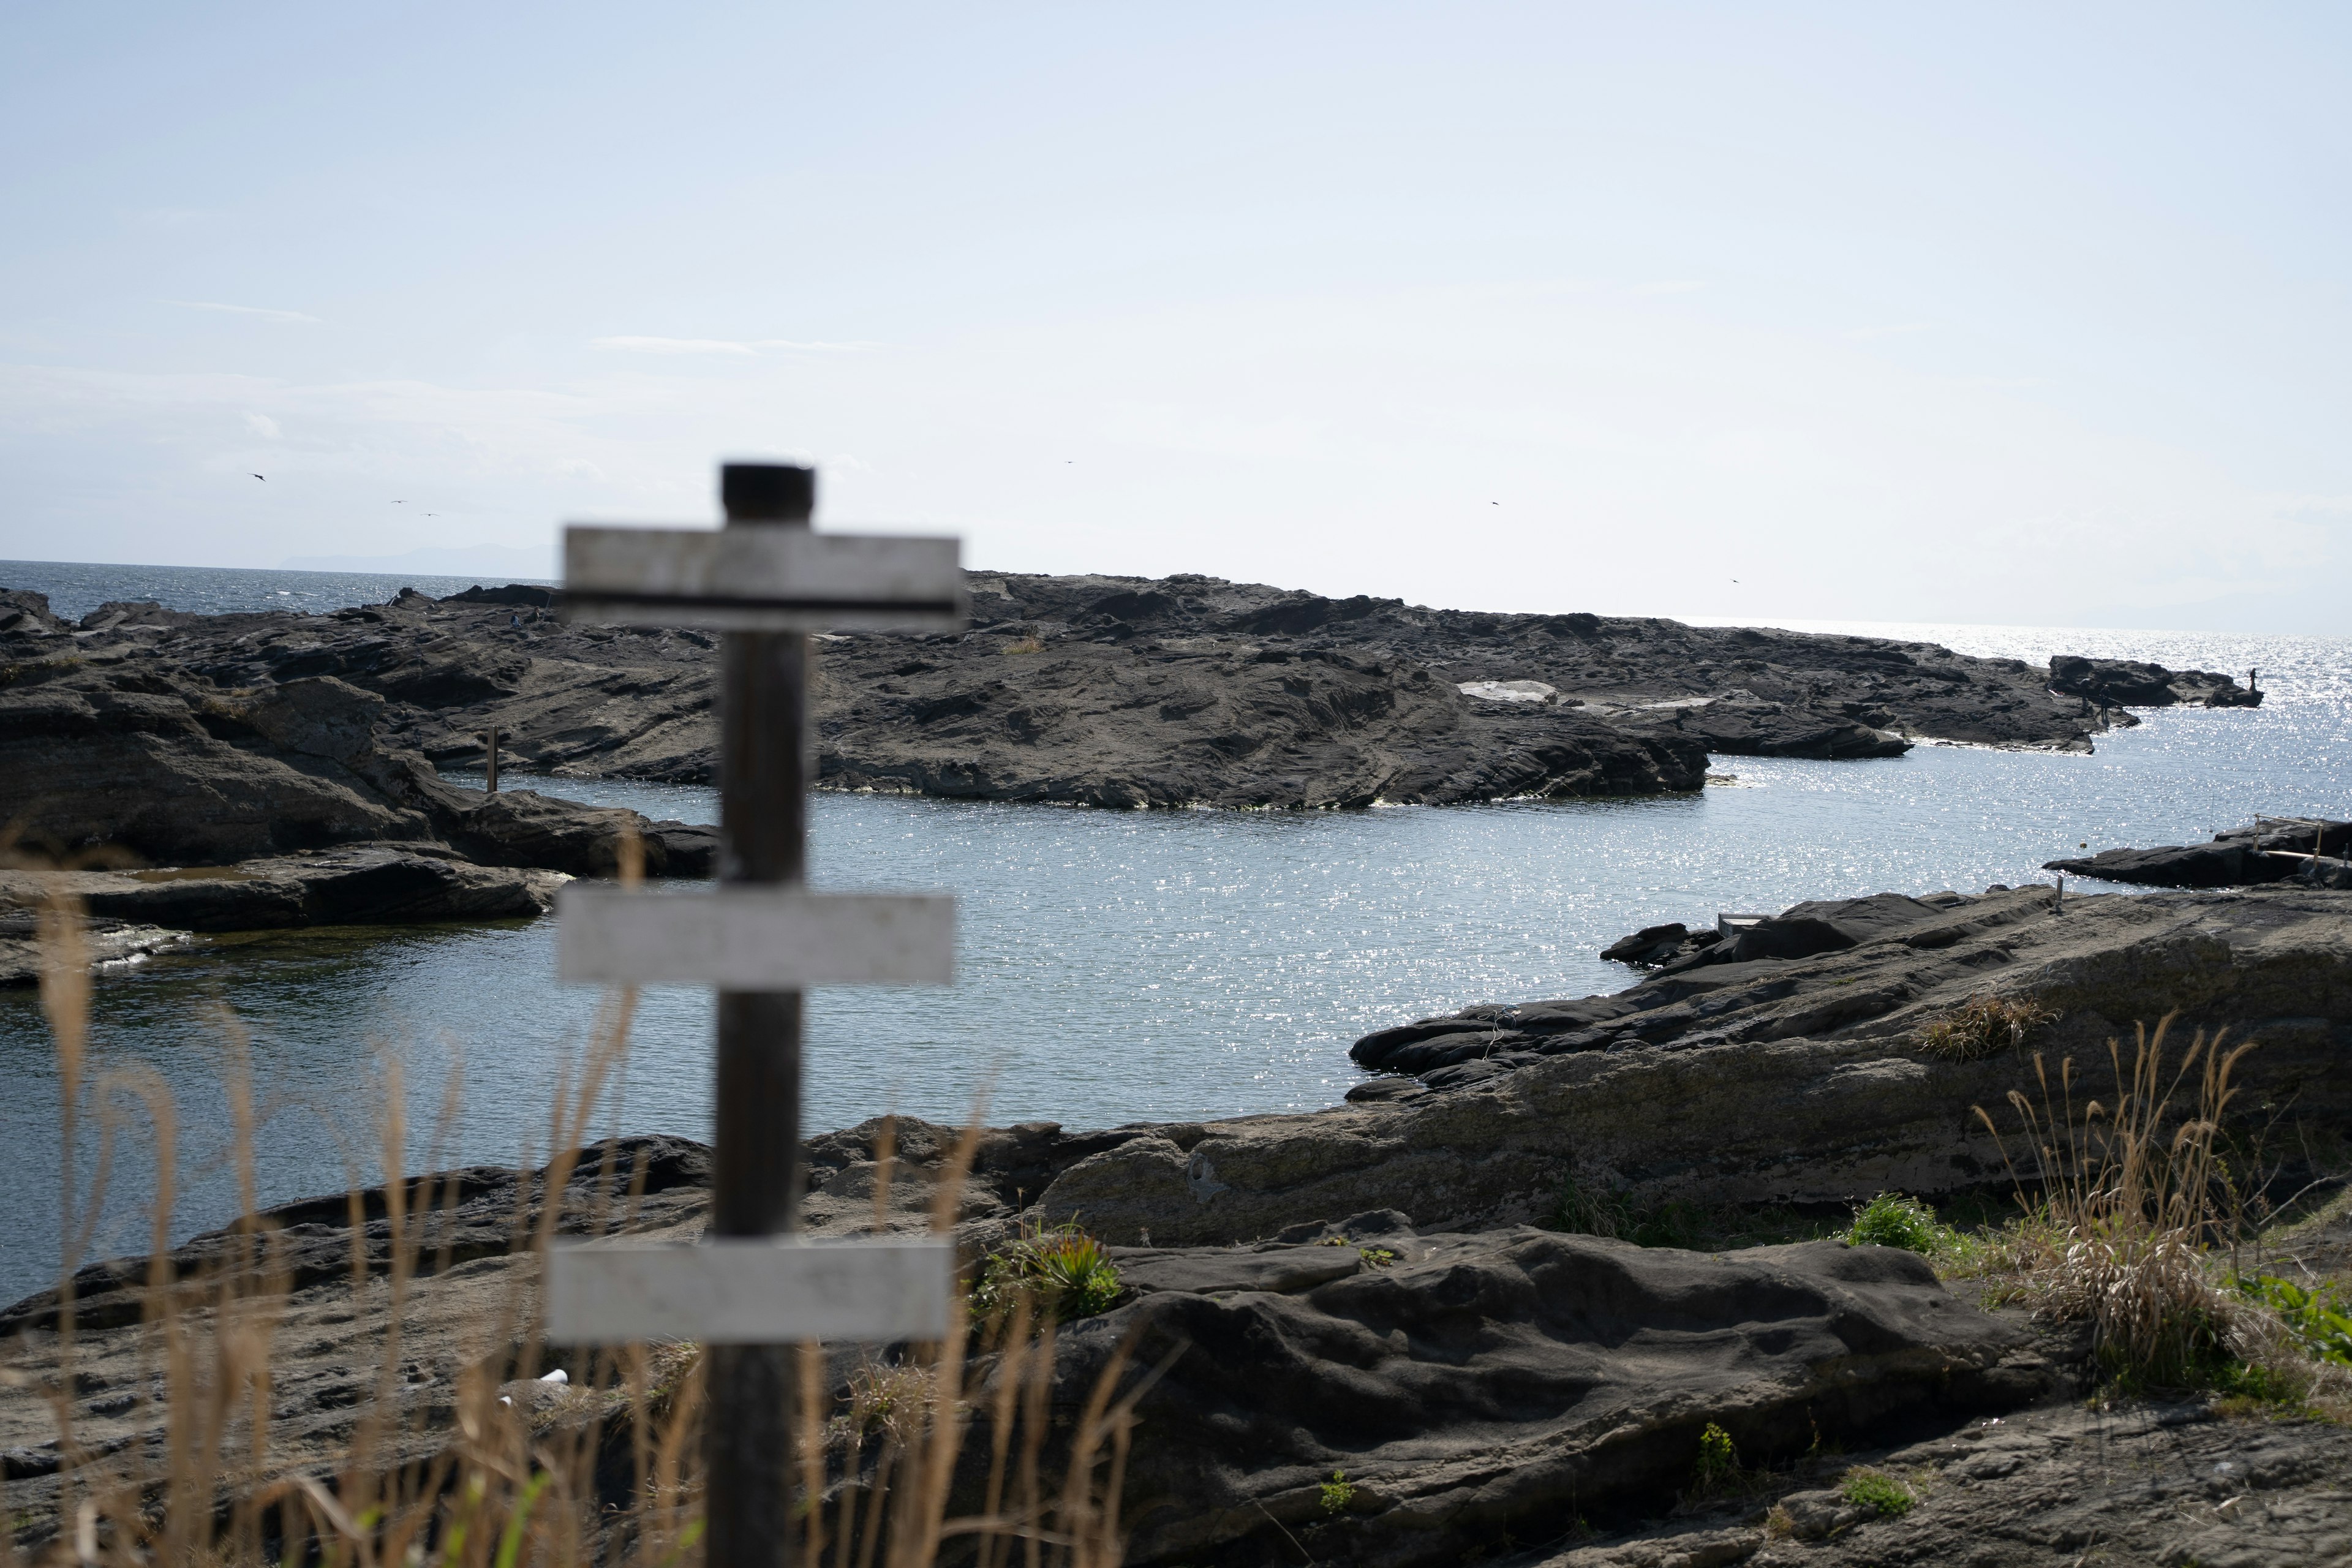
(609, 1470)
(2133, 1199)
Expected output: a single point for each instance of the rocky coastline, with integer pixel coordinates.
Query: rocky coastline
(1408, 1287)
(170, 800)
(1121, 691)
(2307, 850)
(1496, 1299)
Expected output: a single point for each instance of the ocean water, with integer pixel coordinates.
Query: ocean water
(1119, 966)
(77, 587)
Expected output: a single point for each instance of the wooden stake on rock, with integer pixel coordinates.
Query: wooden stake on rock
(751, 1293)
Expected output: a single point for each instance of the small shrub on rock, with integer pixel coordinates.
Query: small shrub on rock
(1337, 1493)
(1891, 1219)
(1983, 1025)
(1063, 1269)
(1718, 1461)
(1878, 1492)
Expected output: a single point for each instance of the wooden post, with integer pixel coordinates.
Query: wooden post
(751, 1289)
(755, 1189)
(494, 758)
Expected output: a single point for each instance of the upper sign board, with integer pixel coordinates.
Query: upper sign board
(764, 579)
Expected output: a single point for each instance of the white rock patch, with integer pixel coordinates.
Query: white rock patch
(1508, 690)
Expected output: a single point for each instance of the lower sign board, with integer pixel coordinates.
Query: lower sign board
(749, 1290)
(754, 938)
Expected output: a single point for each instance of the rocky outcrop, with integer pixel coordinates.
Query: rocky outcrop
(1738, 723)
(1474, 1386)
(2273, 850)
(1128, 691)
(1764, 1080)
(355, 884)
(117, 753)
(1485, 1389)
(1236, 727)
(2129, 683)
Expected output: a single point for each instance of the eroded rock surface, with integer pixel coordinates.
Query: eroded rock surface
(2273, 850)
(1128, 691)
(354, 884)
(2171, 1484)
(114, 756)
(1769, 1080)
(1495, 1387)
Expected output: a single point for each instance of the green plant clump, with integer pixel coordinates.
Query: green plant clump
(1718, 1461)
(2317, 1318)
(1878, 1492)
(1337, 1493)
(1066, 1270)
(1377, 1257)
(1891, 1219)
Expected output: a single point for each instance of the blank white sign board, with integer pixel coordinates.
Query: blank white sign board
(754, 938)
(749, 1290)
(764, 579)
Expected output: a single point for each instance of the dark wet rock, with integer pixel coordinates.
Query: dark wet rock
(1127, 691)
(1738, 723)
(104, 941)
(2123, 682)
(117, 753)
(1771, 1081)
(2273, 850)
(1801, 931)
(351, 884)
(1654, 945)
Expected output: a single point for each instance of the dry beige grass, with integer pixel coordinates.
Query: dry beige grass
(2135, 1222)
(499, 1487)
(1983, 1025)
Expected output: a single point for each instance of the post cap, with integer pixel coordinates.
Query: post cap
(767, 492)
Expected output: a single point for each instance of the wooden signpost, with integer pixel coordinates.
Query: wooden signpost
(751, 1290)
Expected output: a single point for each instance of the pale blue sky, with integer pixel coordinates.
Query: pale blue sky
(1974, 313)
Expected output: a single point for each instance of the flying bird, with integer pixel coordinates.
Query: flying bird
(264, 479)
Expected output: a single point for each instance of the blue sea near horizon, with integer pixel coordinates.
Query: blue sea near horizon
(77, 587)
(1122, 966)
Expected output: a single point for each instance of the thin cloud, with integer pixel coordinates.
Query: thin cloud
(248, 311)
(672, 345)
(852, 346)
(262, 425)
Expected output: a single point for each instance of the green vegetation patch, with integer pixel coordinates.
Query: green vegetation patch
(1892, 1219)
(1065, 1272)
(2314, 1316)
(1878, 1492)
